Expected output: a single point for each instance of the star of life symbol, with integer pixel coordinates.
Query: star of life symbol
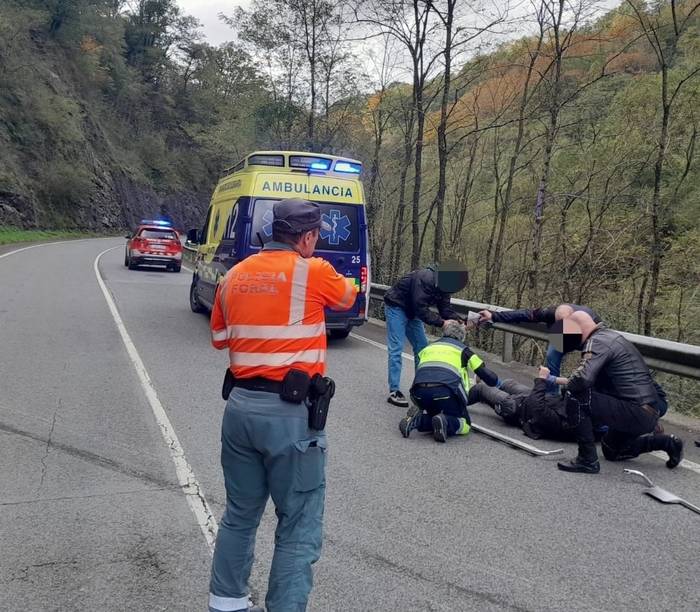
(340, 227)
(267, 222)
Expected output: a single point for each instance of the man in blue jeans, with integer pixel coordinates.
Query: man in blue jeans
(407, 306)
(547, 315)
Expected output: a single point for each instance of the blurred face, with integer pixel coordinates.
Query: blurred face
(307, 245)
(566, 336)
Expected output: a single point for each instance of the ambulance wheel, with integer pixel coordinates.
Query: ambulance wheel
(126, 259)
(339, 334)
(194, 302)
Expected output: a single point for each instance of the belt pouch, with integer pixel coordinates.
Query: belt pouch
(295, 386)
(229, 384)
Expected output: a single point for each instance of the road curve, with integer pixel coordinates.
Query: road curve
(93, 515)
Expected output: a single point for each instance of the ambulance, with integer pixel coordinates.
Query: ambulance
(239, 222)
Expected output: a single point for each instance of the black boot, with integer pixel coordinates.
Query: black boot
(674, 448)
(586, 462)
(670, 444)
(579, 465)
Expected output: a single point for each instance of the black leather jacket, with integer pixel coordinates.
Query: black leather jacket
(612, 365)
(415, 292)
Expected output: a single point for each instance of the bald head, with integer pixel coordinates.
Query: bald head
(563, 311)
(582, 320)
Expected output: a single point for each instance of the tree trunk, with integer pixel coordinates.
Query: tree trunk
(439, 200)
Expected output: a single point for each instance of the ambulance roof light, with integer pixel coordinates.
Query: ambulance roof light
(310, 162)
(348, 167)
(266, 160)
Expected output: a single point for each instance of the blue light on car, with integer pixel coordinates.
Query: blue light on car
(156, 222)
(319, 166)
(348, 167)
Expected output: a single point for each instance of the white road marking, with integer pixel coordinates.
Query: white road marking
(688, 465)
(185, 475)
(43, 244)
(379, 345)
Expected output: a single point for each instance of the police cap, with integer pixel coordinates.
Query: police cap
(294, 216)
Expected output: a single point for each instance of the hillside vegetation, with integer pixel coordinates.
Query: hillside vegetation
(560, 166)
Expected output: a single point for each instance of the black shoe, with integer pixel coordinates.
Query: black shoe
(675, 452)
(579, 465)
(398, 399)
(440, 428)
(410, 421)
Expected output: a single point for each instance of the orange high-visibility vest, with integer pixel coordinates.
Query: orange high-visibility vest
(268, 312)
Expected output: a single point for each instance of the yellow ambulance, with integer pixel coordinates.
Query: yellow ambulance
(239, 222)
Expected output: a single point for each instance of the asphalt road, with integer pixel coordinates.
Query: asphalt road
(92, 516)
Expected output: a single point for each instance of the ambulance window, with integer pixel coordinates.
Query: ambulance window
(343, 234)
(205, 229)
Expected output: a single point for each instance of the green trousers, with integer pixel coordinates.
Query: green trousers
(267, 450)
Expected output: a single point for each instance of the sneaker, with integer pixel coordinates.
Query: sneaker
(440, 428)
(675, 452)
(398, 399)
(410, 421)
(579, 465)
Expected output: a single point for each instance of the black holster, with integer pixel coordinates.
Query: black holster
(229, 384)
(318, 401)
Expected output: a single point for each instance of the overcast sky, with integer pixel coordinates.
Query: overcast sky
(207, 11)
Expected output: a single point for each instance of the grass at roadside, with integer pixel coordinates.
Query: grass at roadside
(10, 235)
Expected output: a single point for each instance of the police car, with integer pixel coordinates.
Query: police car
(154, 243)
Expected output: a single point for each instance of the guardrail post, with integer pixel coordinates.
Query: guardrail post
(507, 347)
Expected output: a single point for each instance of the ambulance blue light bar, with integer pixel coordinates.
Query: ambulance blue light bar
(308, 162)
(348, 167)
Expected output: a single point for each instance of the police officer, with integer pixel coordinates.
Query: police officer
(269, 314)
(549, 315)
(407, 306)
(440, 389)
(613, 386)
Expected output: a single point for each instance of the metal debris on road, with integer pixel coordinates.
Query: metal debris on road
(661, 494)
(533, 450)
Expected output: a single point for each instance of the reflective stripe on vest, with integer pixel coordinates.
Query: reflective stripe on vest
(449, 357)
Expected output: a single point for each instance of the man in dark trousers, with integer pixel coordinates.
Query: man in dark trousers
(407, 306)
(440, 389)
(537, 413)
(612, 386)
(548, 315)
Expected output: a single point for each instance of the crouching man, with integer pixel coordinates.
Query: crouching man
(440, 390)
(613, 386)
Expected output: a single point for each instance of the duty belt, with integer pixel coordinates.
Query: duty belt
(259, 384)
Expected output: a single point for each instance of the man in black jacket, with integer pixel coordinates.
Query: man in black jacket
(613, 386)
(407, 306)
(547, 315)
(537, 413)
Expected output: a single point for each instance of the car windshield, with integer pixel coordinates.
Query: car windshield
(341, 218)
(159, 234)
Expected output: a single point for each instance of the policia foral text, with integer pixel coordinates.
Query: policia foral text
(268, 313)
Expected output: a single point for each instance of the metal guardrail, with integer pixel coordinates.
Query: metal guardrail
(663, 355)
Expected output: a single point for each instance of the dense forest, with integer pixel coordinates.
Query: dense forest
(551, 146)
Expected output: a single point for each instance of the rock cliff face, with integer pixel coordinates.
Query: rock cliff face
(70, 160)
(118, 204)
